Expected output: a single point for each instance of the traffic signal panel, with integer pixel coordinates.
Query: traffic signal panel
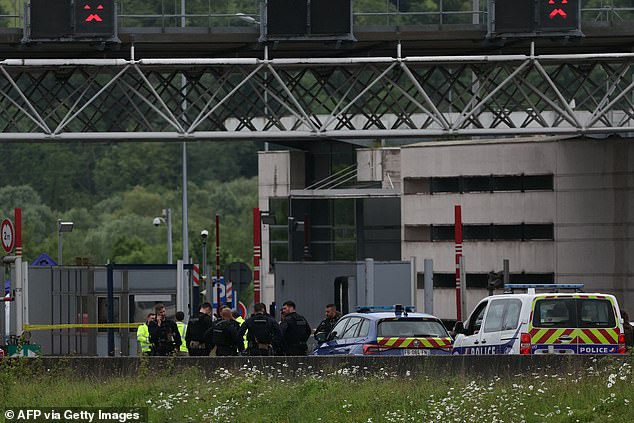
(534, 17)
(95, 17)
(72, 19)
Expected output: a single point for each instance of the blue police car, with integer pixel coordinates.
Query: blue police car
(385, 330)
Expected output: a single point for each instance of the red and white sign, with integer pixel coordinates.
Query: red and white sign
(195, 275)
(242, 309)
(8, 235)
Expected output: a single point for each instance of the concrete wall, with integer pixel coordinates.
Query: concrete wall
(311, 285)
(506, 367)
(278, 173)
(592, 208)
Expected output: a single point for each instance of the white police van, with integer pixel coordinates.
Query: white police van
(542, 323)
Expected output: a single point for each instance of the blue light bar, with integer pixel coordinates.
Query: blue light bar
(370, 308)
(543, 285)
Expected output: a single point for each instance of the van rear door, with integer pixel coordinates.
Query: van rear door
(598, 330)
(574, 324)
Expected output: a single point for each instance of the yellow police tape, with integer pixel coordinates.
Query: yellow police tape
(82, 326)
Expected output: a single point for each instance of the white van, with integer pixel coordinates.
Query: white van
(542, 323)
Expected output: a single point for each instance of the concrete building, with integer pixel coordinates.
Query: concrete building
(560, 210)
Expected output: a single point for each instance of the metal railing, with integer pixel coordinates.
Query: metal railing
(385, 13)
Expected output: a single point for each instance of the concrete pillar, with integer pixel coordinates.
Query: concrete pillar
(428, 268)
(369, 281)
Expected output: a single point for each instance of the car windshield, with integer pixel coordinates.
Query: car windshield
(408, 328)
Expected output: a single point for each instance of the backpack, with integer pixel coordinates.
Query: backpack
(298, 329)
(196, 328)
(220, 335)
(261, 329)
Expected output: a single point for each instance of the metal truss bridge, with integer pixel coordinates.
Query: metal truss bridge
(310, 99)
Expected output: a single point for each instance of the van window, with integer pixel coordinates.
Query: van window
(596, 313)
(555, 313)
(475, 320)
(493, 321)
(512, 315)
(503, 314)
(574, 313)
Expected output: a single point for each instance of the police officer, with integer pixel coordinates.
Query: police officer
(240, 320)
(196, 329)
(332, 317)
(164, 334)
(143, 334)
(262, 331)
(224, 335)
(295, 331)
(182, 329)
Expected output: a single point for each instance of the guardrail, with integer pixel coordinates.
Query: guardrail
(388, 13)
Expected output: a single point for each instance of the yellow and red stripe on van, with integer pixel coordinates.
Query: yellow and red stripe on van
(578, 340)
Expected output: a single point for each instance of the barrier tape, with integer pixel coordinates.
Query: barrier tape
(83, 326)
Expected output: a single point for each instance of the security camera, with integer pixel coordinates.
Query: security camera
(204, 234)
(156, 221)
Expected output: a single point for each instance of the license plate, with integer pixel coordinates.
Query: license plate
(417, 351)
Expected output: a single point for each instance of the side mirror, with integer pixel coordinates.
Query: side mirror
(458, 328)
(321, 337)
(332, 336)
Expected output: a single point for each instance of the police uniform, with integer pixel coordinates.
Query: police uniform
(143, 336)
(224, 336)
(240, 321)
(165, 339)
(327, 324)
(295, 332)
(195, 335)
(182, 329)
(263, 334)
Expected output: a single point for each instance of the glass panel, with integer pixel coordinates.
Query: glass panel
(555, 313)
(351, 328)
(411, 328)
(512, 314)
(493, 321)
(596, 313)
(365, 328)
(339, 327)
(102, 311)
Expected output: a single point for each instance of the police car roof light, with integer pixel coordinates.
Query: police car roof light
(398, 308)
(531, 287)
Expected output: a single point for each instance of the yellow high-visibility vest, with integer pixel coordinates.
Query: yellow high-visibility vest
(182, 329)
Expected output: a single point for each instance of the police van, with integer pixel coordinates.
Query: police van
(542, 323)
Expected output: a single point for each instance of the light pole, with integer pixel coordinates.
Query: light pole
(166, 218)
(62, 227)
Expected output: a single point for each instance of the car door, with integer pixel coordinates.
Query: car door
(499, 329)
(468, 342)
(341, 336)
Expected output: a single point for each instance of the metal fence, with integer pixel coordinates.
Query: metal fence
(366, 13)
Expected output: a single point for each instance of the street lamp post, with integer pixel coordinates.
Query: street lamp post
(62, 226)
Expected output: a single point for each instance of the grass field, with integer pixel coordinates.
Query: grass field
(347, 395)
